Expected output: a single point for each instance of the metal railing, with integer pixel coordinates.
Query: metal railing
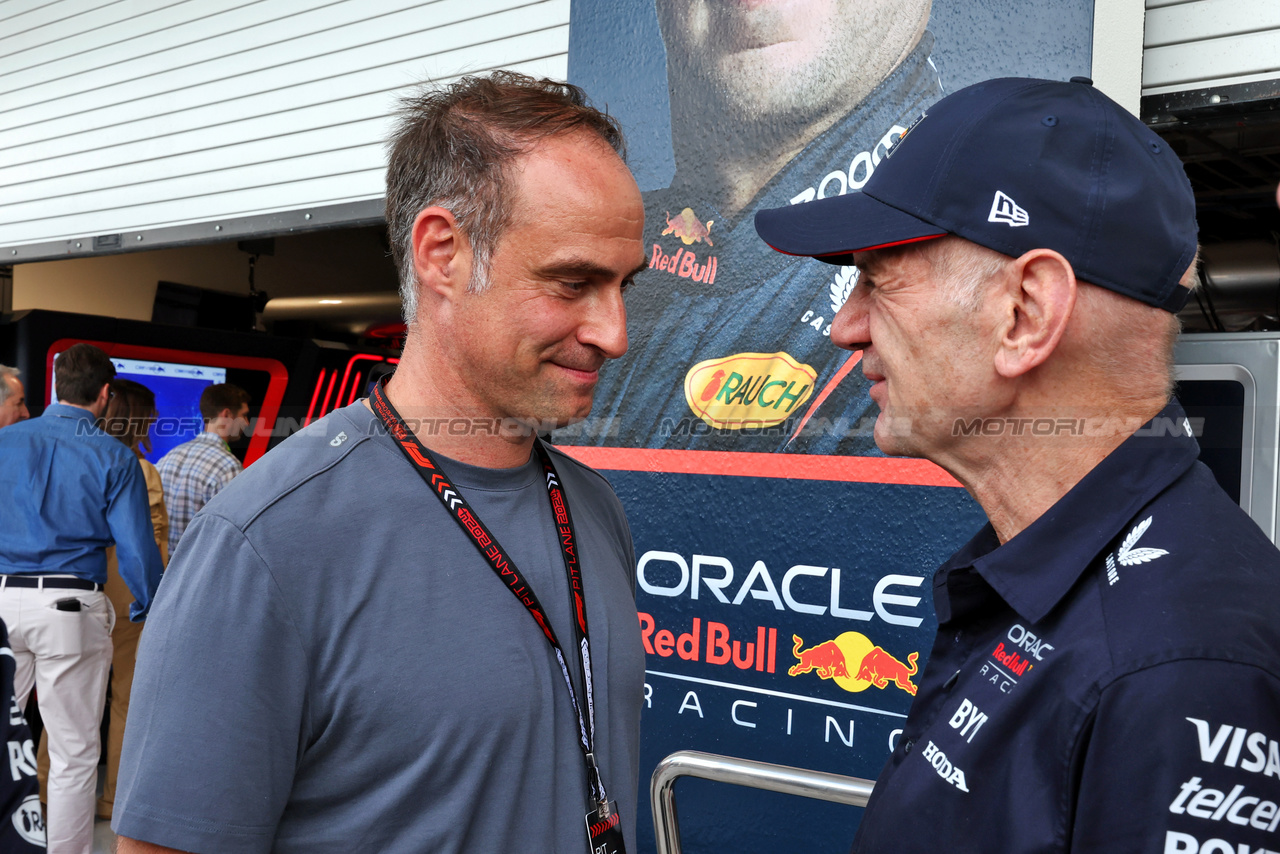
(741, 772)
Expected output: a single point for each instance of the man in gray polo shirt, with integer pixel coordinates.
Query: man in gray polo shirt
(332, 664)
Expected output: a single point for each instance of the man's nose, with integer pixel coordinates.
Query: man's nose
(851, 329)
(605, 326)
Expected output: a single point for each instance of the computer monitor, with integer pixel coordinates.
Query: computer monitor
(177, 377)
(1229, 383)
(177, 388)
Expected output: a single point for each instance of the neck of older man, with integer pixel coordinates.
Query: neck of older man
(1024, 459)
(430, 393)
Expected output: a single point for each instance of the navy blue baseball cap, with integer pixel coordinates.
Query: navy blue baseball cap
(1016, 164)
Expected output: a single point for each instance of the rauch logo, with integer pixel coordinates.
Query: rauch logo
(748, 389)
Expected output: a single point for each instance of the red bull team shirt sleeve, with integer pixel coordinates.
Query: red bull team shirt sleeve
(1106, 681)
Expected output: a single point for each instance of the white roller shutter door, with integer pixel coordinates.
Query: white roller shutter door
(162, 118)
(1201, 44)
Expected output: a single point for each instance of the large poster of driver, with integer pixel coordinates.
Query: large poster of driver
(783, 563)
(770, 103)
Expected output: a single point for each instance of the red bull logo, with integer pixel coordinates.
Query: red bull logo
(689, 228)
(854, 663)
(758, 654)
(685, 264)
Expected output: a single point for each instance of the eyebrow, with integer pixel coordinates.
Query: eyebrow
(583, 268)
(868, 263)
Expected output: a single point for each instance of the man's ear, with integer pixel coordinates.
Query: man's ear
(1042, 295)
(99, 405)
(441, 253)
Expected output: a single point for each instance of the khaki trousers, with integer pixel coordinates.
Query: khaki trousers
(124, 639)
(65, 655)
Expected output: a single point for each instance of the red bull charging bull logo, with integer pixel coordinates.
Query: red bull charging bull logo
(854, 663)
(689, 228)
(685, 262)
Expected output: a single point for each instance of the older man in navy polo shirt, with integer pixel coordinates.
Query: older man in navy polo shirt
(1106, 675)
(68, 491)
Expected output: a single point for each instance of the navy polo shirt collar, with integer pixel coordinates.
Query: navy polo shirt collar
(1033, 571)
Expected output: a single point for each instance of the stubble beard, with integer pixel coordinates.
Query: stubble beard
(761, 76)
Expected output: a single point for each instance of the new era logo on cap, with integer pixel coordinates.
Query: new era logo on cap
(1006, 210)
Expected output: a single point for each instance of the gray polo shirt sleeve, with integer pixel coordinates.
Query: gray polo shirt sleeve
(220, 728)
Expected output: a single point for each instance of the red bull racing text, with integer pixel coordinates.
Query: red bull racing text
(759, 654)
(685, 264)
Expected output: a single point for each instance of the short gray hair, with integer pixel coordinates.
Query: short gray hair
(5, 388)
(963, 268)
(454, 146)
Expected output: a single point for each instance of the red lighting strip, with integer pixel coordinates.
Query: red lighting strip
(315, 395)
(356, 358)
(265, 423)
(902, 471)
(355, 387)
(325, 406)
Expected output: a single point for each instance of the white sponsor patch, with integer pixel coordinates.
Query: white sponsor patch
(1129, 554)
(968, 719)
(338, 439)
(1237, 747)
(1036, 647)
(855, 177)
(946, 770)
(1237, 806)
(842, 287)
(28, 820)
(22, 759)
(1185, 843)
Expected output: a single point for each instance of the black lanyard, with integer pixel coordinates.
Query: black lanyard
(506, 570)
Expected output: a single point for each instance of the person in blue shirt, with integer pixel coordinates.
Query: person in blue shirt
(1105, 676)
(69, 491)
